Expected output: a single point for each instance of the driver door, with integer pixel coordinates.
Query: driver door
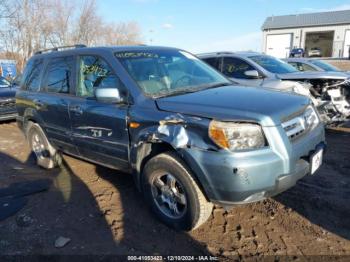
(235, 69)
(99, 129)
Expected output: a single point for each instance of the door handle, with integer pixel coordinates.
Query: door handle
(38, 103)
(77, 110)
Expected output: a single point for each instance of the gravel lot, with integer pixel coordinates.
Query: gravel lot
(101, 212)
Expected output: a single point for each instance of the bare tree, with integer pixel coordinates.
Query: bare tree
(58, 24)
(89, 24)
(30, 25)
(121, 34)
(6, 9)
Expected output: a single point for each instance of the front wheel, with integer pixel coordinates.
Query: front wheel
(173, 194)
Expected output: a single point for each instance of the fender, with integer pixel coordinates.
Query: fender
(30, 114)
(174, 133)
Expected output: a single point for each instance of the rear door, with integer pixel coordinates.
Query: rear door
(215, 62)
(99, 129)
(52, 101)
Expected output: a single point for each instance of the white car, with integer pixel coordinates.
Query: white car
(329, 91)
(313, 64)
(314, 52)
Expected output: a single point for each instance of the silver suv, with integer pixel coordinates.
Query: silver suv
(329, 91)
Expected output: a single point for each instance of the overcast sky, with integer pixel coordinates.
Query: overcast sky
(207, 25)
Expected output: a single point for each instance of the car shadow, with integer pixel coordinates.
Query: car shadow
(67, 209)
(141, 231)
(324, 198)
(98, 209)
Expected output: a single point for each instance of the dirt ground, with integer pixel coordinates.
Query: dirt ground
(341, 64)
(102, 213)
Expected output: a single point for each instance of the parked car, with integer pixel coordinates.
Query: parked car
(297, 52)
(329, 91)
(315, 51)
(7, 100)
(189, 137)
(306, 64)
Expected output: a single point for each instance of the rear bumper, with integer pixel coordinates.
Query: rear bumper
(237, 178)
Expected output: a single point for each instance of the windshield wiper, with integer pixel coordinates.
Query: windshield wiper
(214, 85)
(178, 92)
(196, 89)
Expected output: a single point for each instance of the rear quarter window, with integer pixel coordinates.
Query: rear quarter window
(31, 75)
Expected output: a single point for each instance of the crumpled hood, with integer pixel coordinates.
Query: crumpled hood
(236, 103)
(313, 75)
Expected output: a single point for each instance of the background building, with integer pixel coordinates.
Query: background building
(328, 31)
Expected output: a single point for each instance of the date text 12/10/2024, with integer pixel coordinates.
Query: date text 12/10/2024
(172, 258)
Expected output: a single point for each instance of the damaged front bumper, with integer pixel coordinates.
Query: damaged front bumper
(243, 177)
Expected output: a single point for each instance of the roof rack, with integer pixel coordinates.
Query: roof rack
(58, 48)
(224, 53)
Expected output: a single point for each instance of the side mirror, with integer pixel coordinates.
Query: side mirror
(253, 74)
(108, 95)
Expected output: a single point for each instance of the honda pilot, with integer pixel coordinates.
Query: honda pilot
(189, 138)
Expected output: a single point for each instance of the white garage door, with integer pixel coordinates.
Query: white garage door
(278, 45)
(346, 44)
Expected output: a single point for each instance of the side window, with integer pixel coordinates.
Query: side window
(297, 65)
(306, 67)
(235, 67)
(213, 61)
(31, 76)
(95, 73)
(59, 75)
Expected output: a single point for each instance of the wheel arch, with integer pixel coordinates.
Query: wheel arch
(30, 115)
(148, 150)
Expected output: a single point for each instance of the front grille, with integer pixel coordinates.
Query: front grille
(301, 124)
(294, 127)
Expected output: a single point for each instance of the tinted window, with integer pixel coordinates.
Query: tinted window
(272, 64)
(302, 66)
(235, 67)
(325, 66)
(95, 73)
(295, 65)
(31, 76)
(306, 67)
(59, 75)
(213, 61)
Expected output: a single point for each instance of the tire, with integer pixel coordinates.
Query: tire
(180, 204)
(46, 155)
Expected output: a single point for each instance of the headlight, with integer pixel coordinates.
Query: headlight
(302, 88)
(236, 136)
(311, 117)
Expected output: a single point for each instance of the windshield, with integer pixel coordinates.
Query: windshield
(325, 66)
(167, 72)
(273, 64)
(4, 82)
